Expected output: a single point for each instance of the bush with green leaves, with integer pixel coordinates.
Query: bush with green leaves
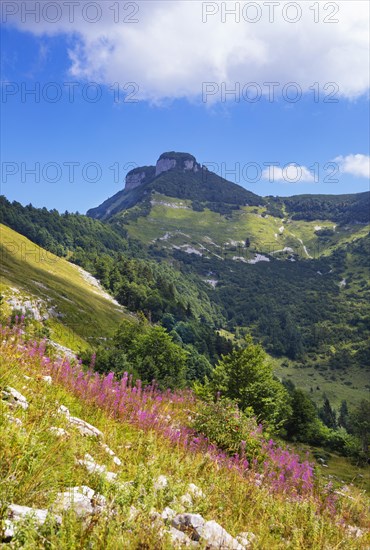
(246, 376)
(147, 352)
(226, 426)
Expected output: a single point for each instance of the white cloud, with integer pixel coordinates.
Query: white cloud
(356, 165)
(290, 173)
(170, 52)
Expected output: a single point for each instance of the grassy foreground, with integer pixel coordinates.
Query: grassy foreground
(140, 427)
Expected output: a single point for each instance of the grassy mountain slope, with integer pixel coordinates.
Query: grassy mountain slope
(36, 465)
(172, 222)
(78, 312)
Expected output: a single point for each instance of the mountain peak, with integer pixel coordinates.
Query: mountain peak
(177, 175)
(167, 161)
(180, 161)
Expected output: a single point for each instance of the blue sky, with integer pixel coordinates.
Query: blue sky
(239, 138)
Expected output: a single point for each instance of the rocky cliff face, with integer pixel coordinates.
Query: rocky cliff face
(133, 180)
(163, 165)
(167, 161)
(138, 176)
(181, 161)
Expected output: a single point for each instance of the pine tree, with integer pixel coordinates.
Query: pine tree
(327, 414)
(343, 418)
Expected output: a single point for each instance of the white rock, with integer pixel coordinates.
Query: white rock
(186, 500)
(179, 538)
(63, 410)
(62, 351)
(58, 432)
(96, 286)
(84, 427)
(17, 513)
(111, 453)
(218, 538)
(160, 483)
(168, 514)
(354, 531)
(258, 258)
(108, 450)
(15, 398)
(82, 500)
(191, 523)
(110, 476)
(245, 538)
(93, 468)
(8, 530)
(194, 491)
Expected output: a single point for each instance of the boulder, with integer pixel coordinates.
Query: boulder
(211, 533)
(14, 398)
(217, 538)
(192, 524)
(179, 538)
(17, 513)
(84, 427)
(82, 500)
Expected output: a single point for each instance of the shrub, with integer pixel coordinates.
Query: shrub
(226, 426)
